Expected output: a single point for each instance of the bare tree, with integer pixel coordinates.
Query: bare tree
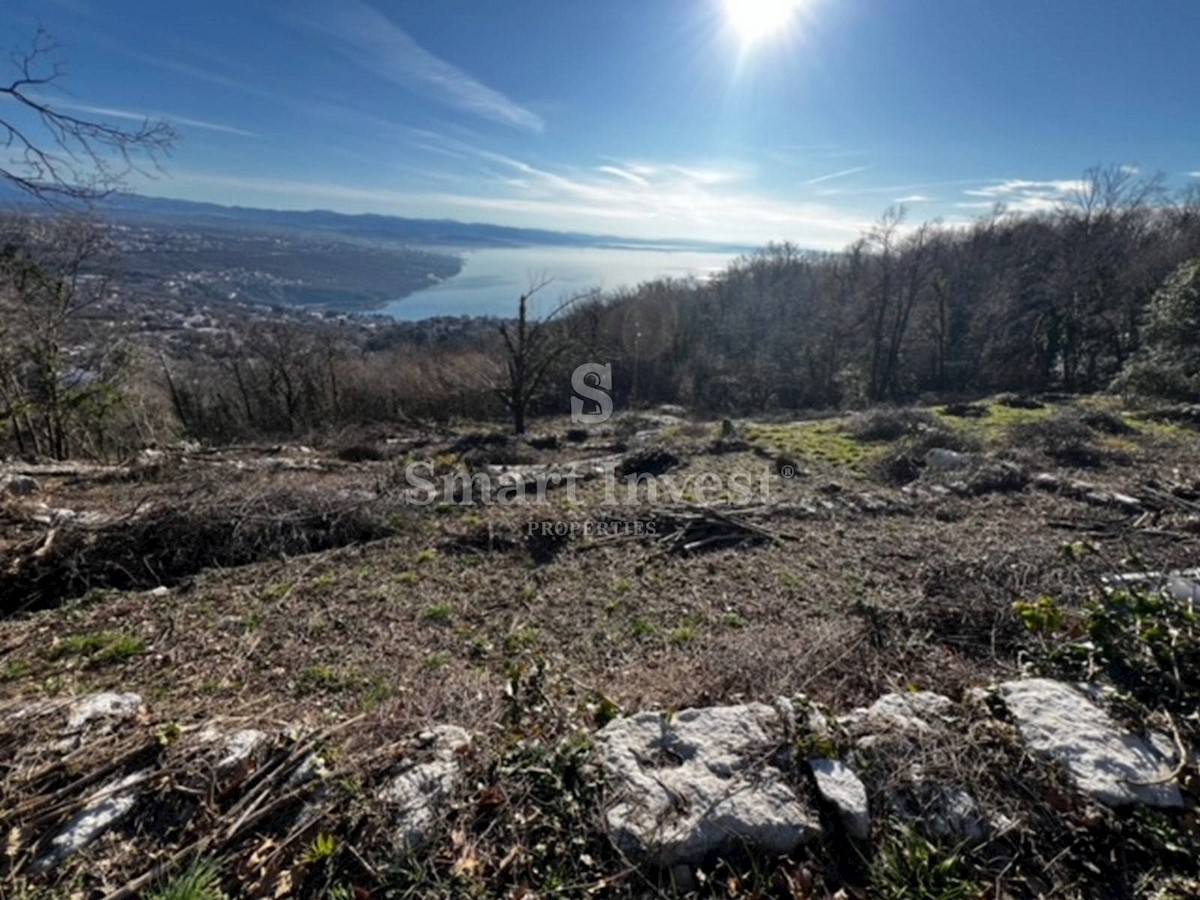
(57, 383)
(56, 156)
(531, 347)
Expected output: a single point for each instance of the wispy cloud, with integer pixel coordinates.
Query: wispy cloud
(618, 172)
(109, 112)
(835, 175)
(1020, 195)
(373, 41)
(1194, 174)
(661, 200)
(914, 198)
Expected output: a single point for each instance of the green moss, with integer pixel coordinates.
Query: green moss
(826, 441)
(994, 428)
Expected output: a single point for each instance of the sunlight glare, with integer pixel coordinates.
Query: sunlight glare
(754, 20)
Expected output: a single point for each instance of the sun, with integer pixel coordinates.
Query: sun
(755, 20)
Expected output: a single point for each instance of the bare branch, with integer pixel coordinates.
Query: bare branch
(58, 157)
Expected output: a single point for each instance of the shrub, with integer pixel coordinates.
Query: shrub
(1168, 365)
(1018, 401)
(1065, 438)
(904, 462)
(1106, 422)
(891, 424)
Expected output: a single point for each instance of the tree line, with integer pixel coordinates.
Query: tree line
(1101, 292)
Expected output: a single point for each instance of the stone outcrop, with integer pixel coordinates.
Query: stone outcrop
(841, 788)
(701, 781)
(1107, 763)
(420, 790)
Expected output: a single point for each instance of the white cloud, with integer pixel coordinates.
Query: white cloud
(1194, 174)
(833, 175)
(618, 172)
(914, 198)
(671, 200)
(1020, 195)
(109, 112)
(373, 41)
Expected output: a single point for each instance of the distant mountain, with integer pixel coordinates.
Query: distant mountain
(430, 232)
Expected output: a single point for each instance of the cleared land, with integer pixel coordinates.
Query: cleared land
(868, 570)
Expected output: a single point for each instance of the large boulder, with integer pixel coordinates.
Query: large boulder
(1106, 762)
(700, 781)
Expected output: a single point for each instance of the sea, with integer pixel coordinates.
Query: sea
(493, 279)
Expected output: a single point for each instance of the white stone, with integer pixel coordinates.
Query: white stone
(420, 791)
(943, 460)
(1104, 761)
(103, 810)
(1183, 587)
(239, 748)
(107, 709)
(700, 781)
(915, 712)
(841, 788)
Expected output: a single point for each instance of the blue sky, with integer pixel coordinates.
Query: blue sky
(646, 118)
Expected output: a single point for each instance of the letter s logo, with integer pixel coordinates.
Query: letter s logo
(592, 381)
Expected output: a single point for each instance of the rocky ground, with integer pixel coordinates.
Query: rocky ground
(829, 656)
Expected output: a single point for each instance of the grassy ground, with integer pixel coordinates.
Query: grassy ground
(450, 618)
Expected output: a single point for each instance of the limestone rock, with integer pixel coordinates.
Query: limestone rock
(1103, 760)
(103, 711)
(943, 460)
(420, 790)
(103, 810)
(700, 781)
(911, 713)
(842, 789)
(239, 748)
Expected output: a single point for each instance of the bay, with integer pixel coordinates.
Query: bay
(492, 279)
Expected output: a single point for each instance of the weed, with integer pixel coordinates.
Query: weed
(169, 734)
(199, 881)
(102, 647)
(642, 627)
(440, 614)
(322, 679)
(1043, 616)
(526, 638)
(322, 849)
(376, 693)
(686, 633)
(15, 669)
(911, 868)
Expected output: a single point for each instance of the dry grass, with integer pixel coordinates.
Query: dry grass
(449, 618)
